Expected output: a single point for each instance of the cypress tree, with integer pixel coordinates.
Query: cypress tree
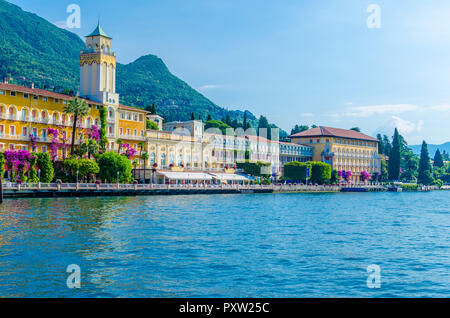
(386, 145)
(425, 176)
(380, 144)
(192, 116)
(209, 117)
(245, 124)
(394, 157)
(438, 160)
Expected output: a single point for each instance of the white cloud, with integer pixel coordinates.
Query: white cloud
(367, 111)
(307, 115)
(405, 127)
(440, 108)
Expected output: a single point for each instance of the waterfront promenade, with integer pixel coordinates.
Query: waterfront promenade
(12, 190)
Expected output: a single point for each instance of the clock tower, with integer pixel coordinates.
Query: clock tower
(98, 69)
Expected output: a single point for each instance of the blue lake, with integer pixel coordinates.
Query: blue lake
(255, 245)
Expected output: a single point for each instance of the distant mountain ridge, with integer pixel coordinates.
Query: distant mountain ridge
(34, 50)
(432, 148)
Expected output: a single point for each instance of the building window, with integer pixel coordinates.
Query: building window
(12, 130)
(25, 95)
(44, 99)
(12, 94)
(35, 97)
(2, 130)
(44, 149)
(2, 92)
(25, 131)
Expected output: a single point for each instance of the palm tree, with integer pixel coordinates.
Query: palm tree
(144, 156)
(79, 109)
(141, 147)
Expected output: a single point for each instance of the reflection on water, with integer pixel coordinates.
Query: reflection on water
(276, 245)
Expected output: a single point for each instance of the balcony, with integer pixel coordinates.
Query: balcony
(133, 137)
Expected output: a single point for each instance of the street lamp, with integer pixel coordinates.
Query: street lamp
(77, 175)
(118, 174)
(39, 175)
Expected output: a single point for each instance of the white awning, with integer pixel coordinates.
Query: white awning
(185, 175)
(229, 177)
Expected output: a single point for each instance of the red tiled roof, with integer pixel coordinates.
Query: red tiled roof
(43, 92)
(333, 132)
(34, 91)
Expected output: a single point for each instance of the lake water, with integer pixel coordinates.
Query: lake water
(255, 245)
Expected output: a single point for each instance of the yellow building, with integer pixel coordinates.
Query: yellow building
(343, 149)
(26, 113)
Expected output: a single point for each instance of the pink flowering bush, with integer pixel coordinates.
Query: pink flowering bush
(365, 176)
(128, 151)
(18, 162)
(93, 133)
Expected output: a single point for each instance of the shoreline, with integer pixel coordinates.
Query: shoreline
(109, 190)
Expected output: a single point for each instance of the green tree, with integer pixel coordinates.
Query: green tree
(111, 163)
(103, 126)
(296, 170)
(356, 129)
(394, 157)
(386, 145)
(87, 168)
(264, 124)
(145, 158)
(334, 177)
(151, 125)
(380, 144)
(257, 169)
(320, 172)
(245, 122)
(384, 174)
(425, 173)
(44, 162)
(79, 109)
(209, 117)
(438, 160)
(33, 178)
(192, 116)
(409, 165)
(217, 124)
(71, 166)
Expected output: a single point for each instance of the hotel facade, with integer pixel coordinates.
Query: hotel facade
(344, 150)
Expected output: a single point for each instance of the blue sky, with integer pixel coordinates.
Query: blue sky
(296, 62)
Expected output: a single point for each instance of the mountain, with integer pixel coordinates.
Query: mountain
(35, 50)
(432, 148)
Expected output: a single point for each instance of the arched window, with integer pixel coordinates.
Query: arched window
(25, 131)
(152, 158)
(163, 160)
(180, 160)
(171, 159)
